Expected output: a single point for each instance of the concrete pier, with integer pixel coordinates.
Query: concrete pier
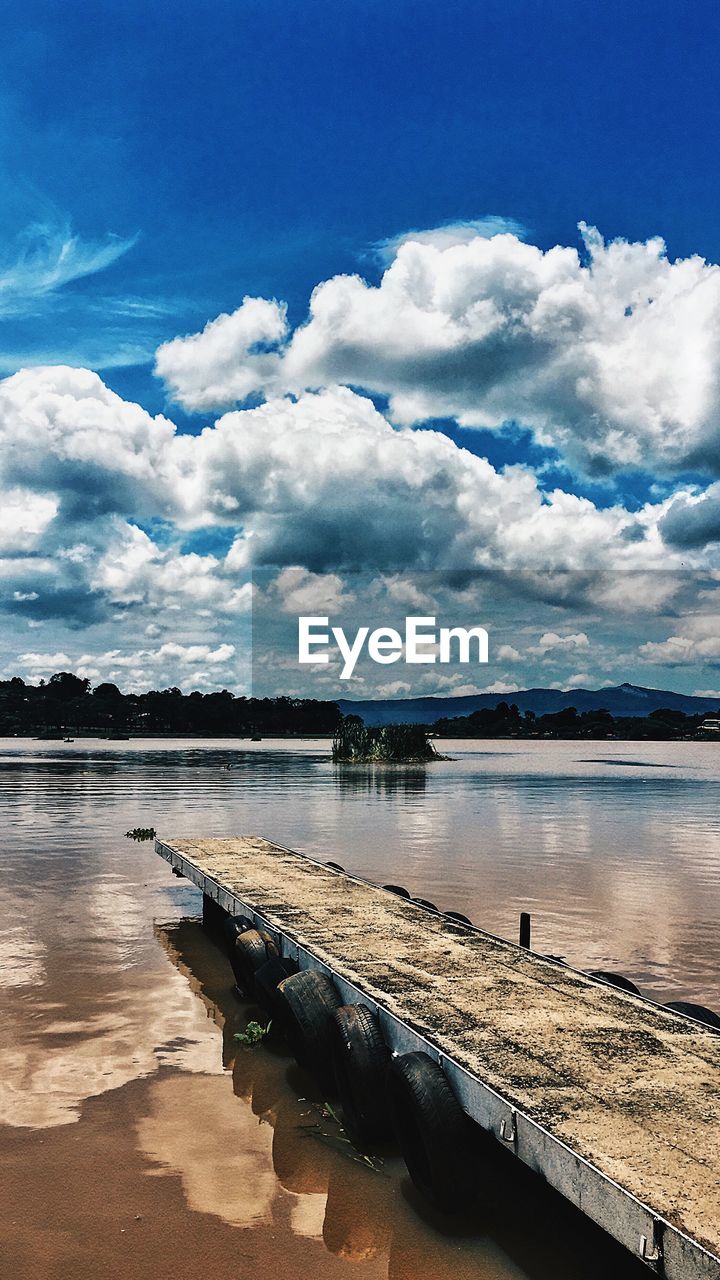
(613, 1100)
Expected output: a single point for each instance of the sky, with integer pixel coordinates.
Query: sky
(392, 286)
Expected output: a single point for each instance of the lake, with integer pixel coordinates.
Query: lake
(136, 1133)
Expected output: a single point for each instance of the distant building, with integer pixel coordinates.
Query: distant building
(711, 725)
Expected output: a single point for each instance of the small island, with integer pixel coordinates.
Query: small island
(356, 743)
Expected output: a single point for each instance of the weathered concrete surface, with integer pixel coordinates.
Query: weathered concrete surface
(629, 1087)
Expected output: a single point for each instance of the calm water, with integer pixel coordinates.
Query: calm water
(138, 1141)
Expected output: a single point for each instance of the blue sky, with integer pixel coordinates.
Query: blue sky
(159, 163)
(260, 147)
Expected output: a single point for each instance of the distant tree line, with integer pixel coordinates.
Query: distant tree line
(505, 720)
(66, 705)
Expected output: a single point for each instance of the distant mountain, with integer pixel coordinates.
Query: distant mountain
(619, 700)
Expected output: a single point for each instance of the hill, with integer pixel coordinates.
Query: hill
(619, 700)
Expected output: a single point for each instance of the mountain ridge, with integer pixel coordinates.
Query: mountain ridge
(620, 700)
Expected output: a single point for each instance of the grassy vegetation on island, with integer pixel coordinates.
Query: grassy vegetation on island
(355, 743)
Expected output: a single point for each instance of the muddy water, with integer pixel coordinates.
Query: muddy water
(138, 1139)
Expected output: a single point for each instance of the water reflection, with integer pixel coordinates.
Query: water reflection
(381, 781)
(250, 1147)
(125, 1103)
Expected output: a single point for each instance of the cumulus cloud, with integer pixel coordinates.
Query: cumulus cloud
(508, 653)
(134, 570)
(64, 433)
(99, 495)
(228, 360)
(551, 642)
(692, 519)
(682, 650)
(582, 680)
(24, 517)
(138, 669)
(42, 662)
(327, 482)
(611, 357)
(697, 641)
(301, 592)
(103, 502)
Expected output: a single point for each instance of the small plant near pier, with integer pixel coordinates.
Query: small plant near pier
(355, 743)
(141, 833)
(253, 1034)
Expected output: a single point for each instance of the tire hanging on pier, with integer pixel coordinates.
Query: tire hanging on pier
(426, 905)
(398, 889)
(306, 1002)
(267, 979)
(439, 1142)
(616, 980)
(246, 957)
(697, 1011)
(361, 1059)
(235, 925)
(458, 918)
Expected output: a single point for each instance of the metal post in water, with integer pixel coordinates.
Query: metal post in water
(525, 929)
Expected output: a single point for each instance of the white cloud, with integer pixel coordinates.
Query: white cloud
(551, 642)
(64, 433)
(40, 662)
(692, 519)
(133, 570)
(699, 641)
(678, 651)
(326, 482)
(301, 592)
(580, 681)
(46, 256)
(396, 689)
(323, 483)
(227, 361)
(508, 653)
(449, 234)
(135, 670)
(612, 359)
(24, 517)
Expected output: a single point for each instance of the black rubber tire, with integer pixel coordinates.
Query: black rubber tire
(697, 1011)
(616, 980)
(426, 905)
(439, 1142)
(267, 979)
(334, 866)
(360, 1060)
(458, 917)
(234, 925)
(248, 954)
(306, 1004)
(271, 948)
(398, 889)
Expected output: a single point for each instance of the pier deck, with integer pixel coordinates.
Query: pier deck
(613, 1100)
